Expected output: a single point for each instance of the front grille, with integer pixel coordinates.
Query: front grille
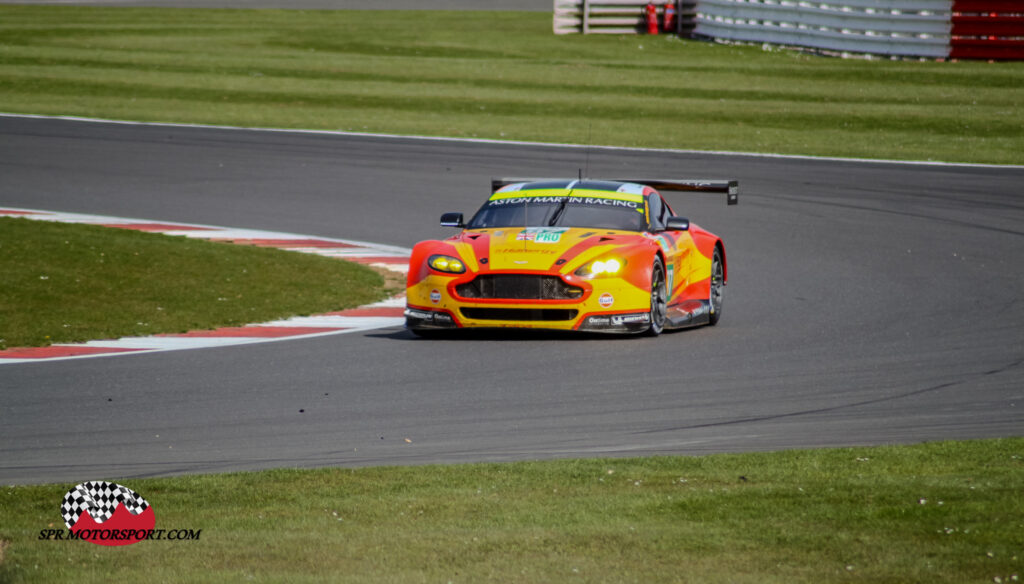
(519, 313)
(518, 287)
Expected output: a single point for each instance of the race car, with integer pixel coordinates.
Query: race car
(607, 256)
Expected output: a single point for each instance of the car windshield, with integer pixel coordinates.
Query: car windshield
(560, 211)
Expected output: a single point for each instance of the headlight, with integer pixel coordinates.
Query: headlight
(443, 263)
(605, 267)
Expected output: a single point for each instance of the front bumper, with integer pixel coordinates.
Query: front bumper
(609, 305)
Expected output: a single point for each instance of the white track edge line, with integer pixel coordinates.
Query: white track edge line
(927, 163)
(357, 323)
(143, 351)
(254, 233)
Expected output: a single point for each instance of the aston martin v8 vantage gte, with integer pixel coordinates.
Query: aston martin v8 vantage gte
(587, 255)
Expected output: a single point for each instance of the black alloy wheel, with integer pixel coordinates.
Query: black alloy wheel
(717, 287)
(659, 299)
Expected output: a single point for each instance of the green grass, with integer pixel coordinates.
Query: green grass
(939, 512)
(69, 283)
(498, 75)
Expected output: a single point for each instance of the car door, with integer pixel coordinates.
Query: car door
(675, 245)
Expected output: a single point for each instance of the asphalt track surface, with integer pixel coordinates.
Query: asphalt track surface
(867, 304)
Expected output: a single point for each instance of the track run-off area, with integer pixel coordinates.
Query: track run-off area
(868, 303)
(372, 316)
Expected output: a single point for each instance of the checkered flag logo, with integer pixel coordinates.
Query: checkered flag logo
(99, 499)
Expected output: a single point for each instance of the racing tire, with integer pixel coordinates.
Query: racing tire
(659, 299)
(717, 287)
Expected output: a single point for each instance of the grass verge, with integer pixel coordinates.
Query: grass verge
(938, 512)
(498, 75)
(70, 283)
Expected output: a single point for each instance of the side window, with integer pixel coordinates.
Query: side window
(657, 212)
(667, 212)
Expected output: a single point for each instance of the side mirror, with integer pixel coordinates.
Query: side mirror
(451, 220)
(678, 224)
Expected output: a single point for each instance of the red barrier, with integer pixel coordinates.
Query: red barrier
(998, 49)
(1011, 6)
(1003, 26)
(987, 29)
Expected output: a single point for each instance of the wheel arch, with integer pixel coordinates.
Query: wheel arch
(725, 262)
(418, 269)
(659, 254)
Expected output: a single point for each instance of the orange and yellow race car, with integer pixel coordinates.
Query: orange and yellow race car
(604, 256)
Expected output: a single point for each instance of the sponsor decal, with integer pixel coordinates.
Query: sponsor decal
(541, 235)
(602, 201)
(439, 318)
(616, 320)
(631, 318)
(110, 514)
(606, 300)
(518, 250)
(435, 296)
(671, 278)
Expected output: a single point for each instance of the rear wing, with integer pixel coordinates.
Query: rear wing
(731, 188)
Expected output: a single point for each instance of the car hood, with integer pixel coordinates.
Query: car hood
(561, 249)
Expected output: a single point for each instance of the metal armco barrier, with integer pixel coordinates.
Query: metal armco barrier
(897, 27)
(616, 16)
(942, 29)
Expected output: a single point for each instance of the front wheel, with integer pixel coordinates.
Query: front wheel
(659, 299)
(717, 286)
